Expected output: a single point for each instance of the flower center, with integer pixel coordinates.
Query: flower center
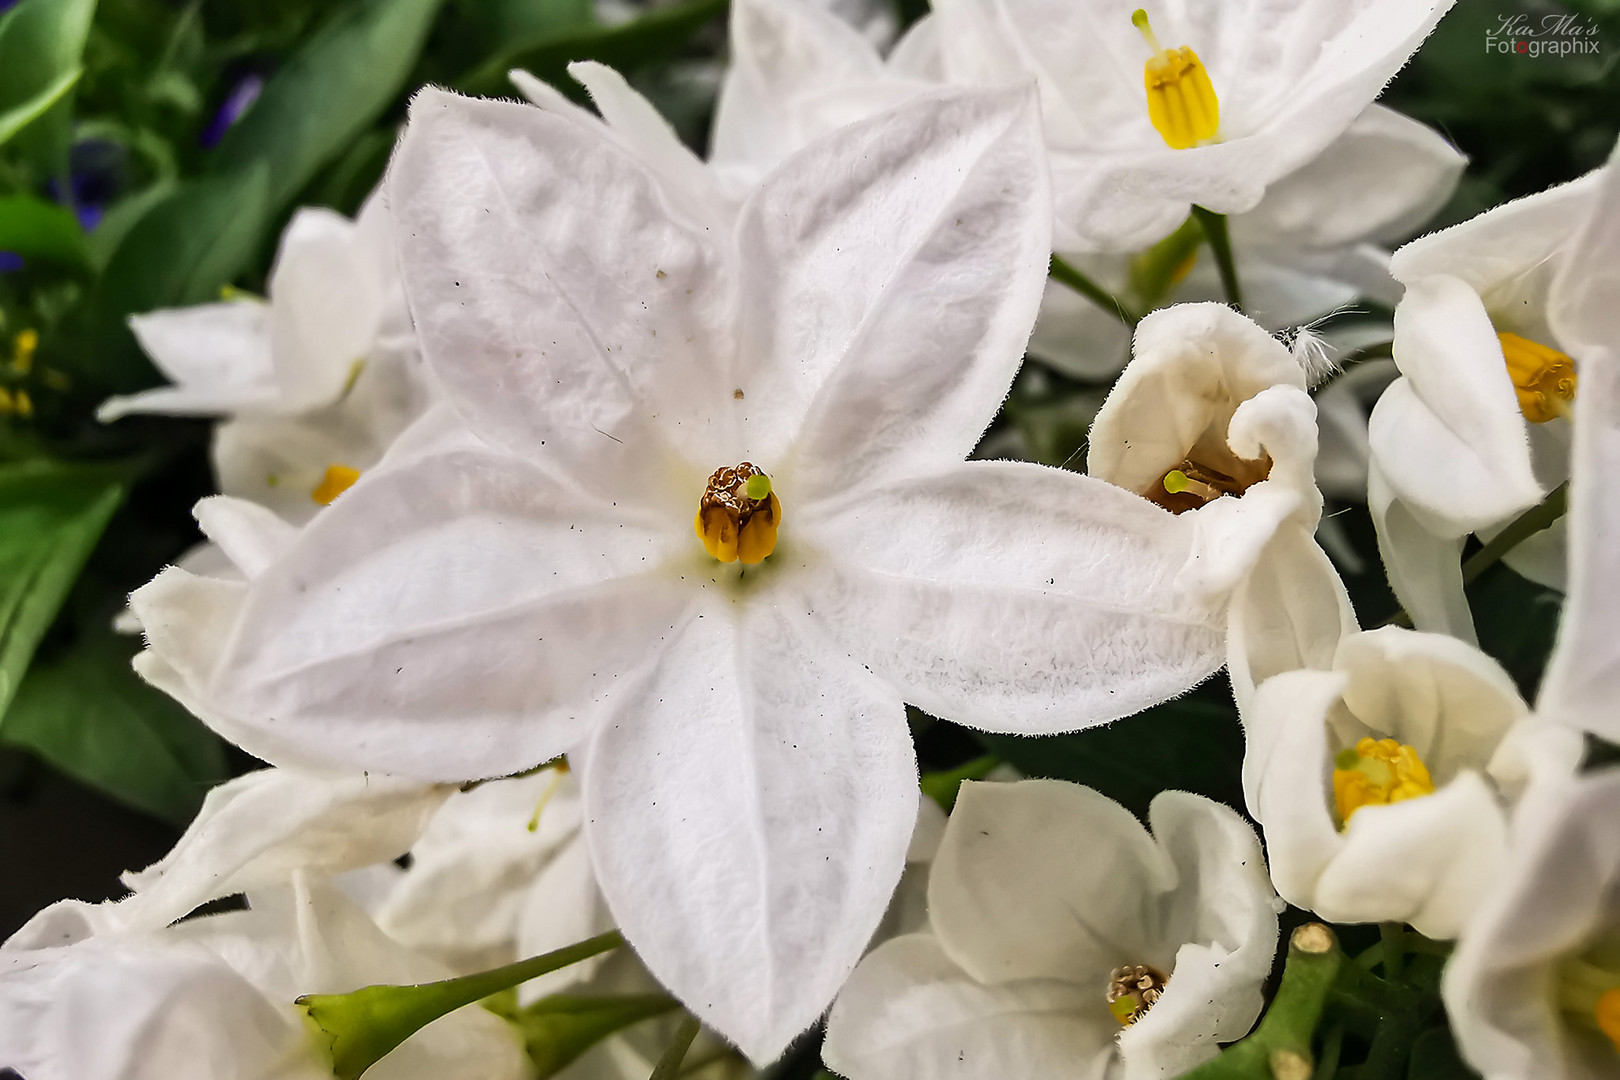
(1543, 377)
(1377, 772)
(738, 515)
(1181, 100)
(1589, 992)
(338, 479)
(1132, 990)
(1192, 483)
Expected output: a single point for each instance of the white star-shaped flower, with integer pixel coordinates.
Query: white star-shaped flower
(1151, 111)
(1067, 940)
(800, 389)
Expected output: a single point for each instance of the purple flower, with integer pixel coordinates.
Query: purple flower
(243, 94)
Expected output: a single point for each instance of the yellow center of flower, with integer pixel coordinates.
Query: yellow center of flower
(338, 479)
(1543, 377)
(1193, 483)
(1607, 1015)
(1181, 100)
(1588, 989)
(1132, 990)
(738, 515)
(23, 348)
(1377, 772)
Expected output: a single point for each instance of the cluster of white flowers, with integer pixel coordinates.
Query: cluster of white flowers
(592, 511)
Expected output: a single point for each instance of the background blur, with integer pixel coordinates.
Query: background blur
(165, 171)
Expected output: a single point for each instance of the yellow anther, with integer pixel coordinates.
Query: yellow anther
(738, 515)
(338, 479)
(1191, 484)
(1132, 990)
(22, 351)
(7, 406)
(1378, 772)
(1607, 1014)
(1181, 100)
(1543, 377)
(24, 404)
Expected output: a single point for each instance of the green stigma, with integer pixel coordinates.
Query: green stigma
(758, 487)
(1175, 481)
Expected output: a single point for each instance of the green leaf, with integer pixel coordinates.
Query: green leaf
(37, 229)
(333, 89)
(559, 1028)
(183, 248)
(51, 515)
(41, 43)
(87, 713)
(1190, 745)
(121, 218)
(16, 117)
(651, 37)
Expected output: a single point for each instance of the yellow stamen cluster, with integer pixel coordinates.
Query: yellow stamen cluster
(738, 515)
(1181, 100)
(1132, 990)
(1377, 772)
(338, 479)
(1543, 377)
(1606, 1013)
(17, 402)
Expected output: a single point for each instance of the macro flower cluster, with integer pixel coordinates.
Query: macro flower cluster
(600, 528)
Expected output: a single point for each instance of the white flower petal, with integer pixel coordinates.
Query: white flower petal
(256, 830)
(453, 616)
(1226, 912)
(1500, 984)
(1285, 780)
(567, 313)
(889, 356)
(1424, 568)
(1384, 177)
(909, 1013)
(144, 1009)
(1424, 861)
(326, 307)
(1444, 698)
(1014, 597)
(1046, 879)
(749, 812)
(218, 355)
(654, 142)
(1291, 611)
(782, 52)
(1449, 437)
(250, 536)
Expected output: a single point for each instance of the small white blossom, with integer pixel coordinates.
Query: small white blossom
(1048, 905)
(1382, 782)
(1477, 430)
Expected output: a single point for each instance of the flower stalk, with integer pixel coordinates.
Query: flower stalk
(366, 1024)
(1220, 242)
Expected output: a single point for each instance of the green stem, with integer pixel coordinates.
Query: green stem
(1070, 275)
(669, 1066)
(368, 1023)
(1391, 935)
(1526, 525)
(1220, 242)
(1281, 1045)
